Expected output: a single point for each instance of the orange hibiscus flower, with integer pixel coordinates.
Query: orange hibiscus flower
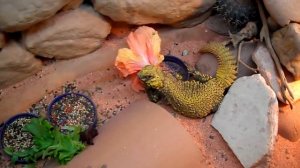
(144, 49)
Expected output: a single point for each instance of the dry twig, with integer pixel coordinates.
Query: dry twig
(242, 62)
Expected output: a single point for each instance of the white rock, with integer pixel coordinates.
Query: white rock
(247, 119)
(19, 15)
(267, 69)
(151, 11)
(69, 34)
(16, 64)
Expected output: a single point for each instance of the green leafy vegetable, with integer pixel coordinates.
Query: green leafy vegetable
(49, 142)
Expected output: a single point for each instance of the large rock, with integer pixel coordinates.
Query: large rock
(19, 15)
(73, 5)
(286, 43)
(16, 64)
(151, 11)
(289, 122)
(69, 34)
(144, 135)
(283, 12)
(247, 119)
(267, 69)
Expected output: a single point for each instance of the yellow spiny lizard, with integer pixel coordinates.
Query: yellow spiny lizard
(193, 98)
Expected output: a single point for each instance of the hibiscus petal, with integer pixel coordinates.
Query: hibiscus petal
(155, 59)
(145, 42)
(153, 48)
(137, 43)
(136, 83)
(127, 62)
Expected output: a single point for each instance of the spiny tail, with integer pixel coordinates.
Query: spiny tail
(226, 71)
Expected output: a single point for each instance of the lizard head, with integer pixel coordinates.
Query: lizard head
(152, 76)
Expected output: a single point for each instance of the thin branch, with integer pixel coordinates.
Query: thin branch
(242, 62)
(265, 36)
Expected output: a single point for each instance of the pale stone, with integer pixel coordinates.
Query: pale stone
(69, 34)
(16, 64)
(151, 11)
(286, 43)
(20, 15)
(267, 69)
(283, 12)
(247, 119)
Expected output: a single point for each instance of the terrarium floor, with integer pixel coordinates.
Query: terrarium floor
(95, 74)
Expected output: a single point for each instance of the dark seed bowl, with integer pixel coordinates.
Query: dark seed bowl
(175, 65)
(72, 109)
(14, 124)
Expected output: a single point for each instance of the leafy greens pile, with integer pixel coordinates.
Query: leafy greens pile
(49, 142)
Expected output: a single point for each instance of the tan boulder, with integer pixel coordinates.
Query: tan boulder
(289, 122)
(16, 64)
(151, 11)
(286, 42)
(283, 12)
(144, 135)
(20, 15)
(73, 5)
(69, 34)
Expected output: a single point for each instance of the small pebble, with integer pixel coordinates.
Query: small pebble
(185, 52)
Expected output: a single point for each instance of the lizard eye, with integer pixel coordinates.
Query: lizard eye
(148, 77)
(145, 78)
